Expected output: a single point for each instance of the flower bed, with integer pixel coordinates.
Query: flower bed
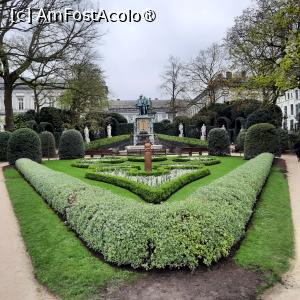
(151, 189)
(201, 229)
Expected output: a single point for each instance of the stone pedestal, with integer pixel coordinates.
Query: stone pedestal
(143, 130)
(148, 157)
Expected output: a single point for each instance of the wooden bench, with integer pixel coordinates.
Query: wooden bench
(100, 152)
(191, 150)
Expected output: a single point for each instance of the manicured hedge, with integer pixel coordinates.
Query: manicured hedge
(261, 138)
(150, 194)
(24, 143)
(107, 142)
(71, 145)
(200, 229)
(48, 144)
(182, 140)
(240, 141)
(141, 158)
(4, 137)
(284, 139)
(218, 142)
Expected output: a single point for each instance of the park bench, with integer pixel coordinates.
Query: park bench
(191, 150)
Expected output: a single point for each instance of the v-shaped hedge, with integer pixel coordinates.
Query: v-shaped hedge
(200, 229)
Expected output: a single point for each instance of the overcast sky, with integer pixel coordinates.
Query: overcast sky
(134, 54)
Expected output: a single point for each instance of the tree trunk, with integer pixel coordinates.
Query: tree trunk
(9, 113)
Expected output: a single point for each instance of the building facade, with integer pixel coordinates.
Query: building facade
(23, 99)
(289, 103)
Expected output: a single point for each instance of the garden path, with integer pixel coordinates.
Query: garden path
(17, 281)
(290, 288)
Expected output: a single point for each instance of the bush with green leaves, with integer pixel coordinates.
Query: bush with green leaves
(71, 145)
(48, 144)
(201, 229)
(24, 143)
(141, 158)
(182, 140)
(261, 138)
(108, 142)
(4, 137)
(240, 141)
(218, 142)
(284, 139)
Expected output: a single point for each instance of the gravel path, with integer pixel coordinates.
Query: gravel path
(290, 288)
(17, 281)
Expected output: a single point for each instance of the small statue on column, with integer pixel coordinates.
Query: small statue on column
(87, 135)
(180, 130)
(148, 157)
(203, 132)
(109, 131)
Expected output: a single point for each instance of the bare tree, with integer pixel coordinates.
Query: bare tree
(204, 72)
(41, 43)
(173, 84)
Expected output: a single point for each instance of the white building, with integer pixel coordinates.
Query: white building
(289, 103)
(23, 99)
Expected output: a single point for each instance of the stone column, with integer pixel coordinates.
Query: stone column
(148, 157)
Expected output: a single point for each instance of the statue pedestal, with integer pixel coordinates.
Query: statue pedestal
(143, 130)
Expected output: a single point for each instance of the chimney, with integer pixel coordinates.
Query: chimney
(244, 74)
(118, 99)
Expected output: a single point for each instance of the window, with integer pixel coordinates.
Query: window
(291, 124)
(285, 110)
(292, 109)
(297, 94)
(288, 94)
(297, 108)
(20, 103)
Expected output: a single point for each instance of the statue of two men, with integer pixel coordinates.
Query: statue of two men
(143, 104)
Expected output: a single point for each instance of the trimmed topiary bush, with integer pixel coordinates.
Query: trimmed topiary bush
(284, 139)
(4, 137)
(201, 229)
(240, 141)
(48, 144)
(218, 142)
(71, 145)
(261, 138)
(24, 143)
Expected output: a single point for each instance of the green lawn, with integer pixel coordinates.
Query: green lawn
(269, 242)
(69, 270)
(227, 165)
(60, 261)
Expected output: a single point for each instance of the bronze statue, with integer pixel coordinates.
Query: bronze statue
(143, 104)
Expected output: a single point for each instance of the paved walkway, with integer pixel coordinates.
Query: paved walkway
(290, 289)
(17, 281)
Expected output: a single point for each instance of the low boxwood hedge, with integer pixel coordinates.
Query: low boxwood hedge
(150, 194)
(183, 140)
(107, 142)
(141, 158)
(201, 229)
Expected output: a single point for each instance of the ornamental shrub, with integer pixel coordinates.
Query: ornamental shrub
(284, 139)
(218, 142)
(201, 229)
(261, 138)
(273, 115)
(240, 141)
(24, 143)
(71, 145)
(48, 144)
(4, 137)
